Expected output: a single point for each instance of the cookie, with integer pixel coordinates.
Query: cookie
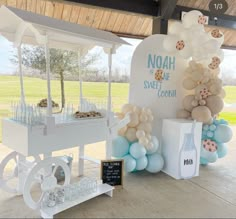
(201, 19)
(180, 45)
(216, 33)
(214, 63)
(210, 145)
(159, 75)
(204, 93)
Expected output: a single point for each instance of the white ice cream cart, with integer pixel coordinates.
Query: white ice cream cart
(50, 132)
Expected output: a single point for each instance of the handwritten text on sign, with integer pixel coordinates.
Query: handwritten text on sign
(112, 172)
(160, 67)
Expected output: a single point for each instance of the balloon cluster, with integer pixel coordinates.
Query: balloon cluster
(135, 144)
(140, 126)
(201, 76)
(214, 137)
(190, 41)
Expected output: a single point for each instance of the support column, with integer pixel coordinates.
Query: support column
(22, 94)
(49, 98)
(80, 77)
(109, 106)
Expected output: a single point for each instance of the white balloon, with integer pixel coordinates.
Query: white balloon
(217, 35)
(169, 43)
(191, 18)
(175, 28)
(186, 52)
(211, 46)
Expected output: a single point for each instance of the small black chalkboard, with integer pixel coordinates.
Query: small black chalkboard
(112, 172)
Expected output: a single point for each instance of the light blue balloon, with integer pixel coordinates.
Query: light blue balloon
(205, 127)
(155, 142)
(137, 150)
(210, 134)
(203, 161)
(141, 163)
(155, 163)
(222, 150)
(212, 127)
(211, 157)
(223, 133)
(130, 163)
(204, 133)
(120, 147)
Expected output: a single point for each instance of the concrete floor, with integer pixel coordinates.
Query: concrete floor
(211, 195)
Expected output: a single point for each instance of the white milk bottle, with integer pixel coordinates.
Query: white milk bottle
(188, 156)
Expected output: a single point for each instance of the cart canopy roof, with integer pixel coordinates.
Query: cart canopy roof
(20, 26)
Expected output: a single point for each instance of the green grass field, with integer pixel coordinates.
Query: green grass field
(35, 90)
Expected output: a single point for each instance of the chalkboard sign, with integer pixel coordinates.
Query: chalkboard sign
(112, 172)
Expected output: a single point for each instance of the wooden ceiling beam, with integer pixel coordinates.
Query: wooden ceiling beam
(145, 7)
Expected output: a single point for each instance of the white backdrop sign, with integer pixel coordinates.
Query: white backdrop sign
(156, 80)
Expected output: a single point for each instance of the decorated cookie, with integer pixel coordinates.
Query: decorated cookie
(216, 33)
(210, 145)
(214, 63)
(159, 75)
(180, 45)
(201, 19)
(204, 93)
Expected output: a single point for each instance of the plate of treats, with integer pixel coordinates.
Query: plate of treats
(87, 115)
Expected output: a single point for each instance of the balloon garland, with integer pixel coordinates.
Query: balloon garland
(189, 40)
(135, 144)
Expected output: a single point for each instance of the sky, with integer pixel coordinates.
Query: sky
(121, 59)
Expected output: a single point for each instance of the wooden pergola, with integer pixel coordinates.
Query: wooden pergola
(130, 18)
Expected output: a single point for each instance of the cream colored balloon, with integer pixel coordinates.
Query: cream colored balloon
(143, 117)
(195, 103)
(150, 146)
(150, 118)
(215, 89)
(134, 120)
(189, 84)
(140, 134)
(182, 114)
(187, 102)
(122, 131)
(202, 102)
(131, 134)
(120, 115)
(147, 127)
(127, 108)
(143, 141)
(215, 104)
(222, 93)
(137, 109)
(149, 137)
(148, 112)
(201, 114)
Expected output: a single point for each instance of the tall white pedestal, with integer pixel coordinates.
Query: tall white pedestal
(181, 148)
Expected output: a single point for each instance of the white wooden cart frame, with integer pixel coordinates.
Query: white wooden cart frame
(25, 27)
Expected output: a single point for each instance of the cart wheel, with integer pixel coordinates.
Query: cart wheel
(46, 169)
(7, 181)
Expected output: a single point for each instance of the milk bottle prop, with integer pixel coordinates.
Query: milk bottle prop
(188, 155)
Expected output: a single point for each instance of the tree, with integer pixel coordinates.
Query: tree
(61, 61)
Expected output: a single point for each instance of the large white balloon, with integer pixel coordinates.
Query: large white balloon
(175, 28)
(170, 42)
(192, 18)
(217, 35)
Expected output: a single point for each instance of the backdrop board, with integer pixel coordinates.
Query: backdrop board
(156, 80)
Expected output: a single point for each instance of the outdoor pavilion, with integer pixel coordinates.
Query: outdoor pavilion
(213, 193)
